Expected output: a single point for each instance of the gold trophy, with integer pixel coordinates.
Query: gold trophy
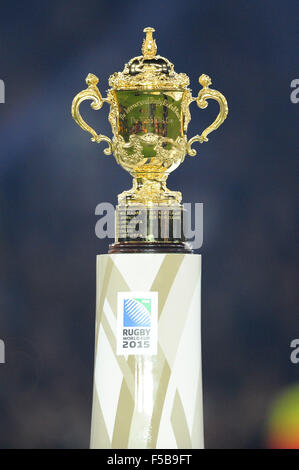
(147, 374)
(149, 116)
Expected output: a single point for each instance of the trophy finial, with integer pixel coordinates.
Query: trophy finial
(149, 46)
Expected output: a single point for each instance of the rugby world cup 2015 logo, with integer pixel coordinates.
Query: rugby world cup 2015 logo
(137, 323)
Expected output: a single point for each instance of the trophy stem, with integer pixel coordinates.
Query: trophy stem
(149, 188)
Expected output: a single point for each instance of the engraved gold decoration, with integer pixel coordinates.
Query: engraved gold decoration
(205, 94)
(149, 117)
(91, 93)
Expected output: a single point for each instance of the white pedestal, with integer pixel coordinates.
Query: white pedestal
(147, 379)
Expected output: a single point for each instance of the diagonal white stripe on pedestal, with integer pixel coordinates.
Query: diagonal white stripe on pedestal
(107, 371)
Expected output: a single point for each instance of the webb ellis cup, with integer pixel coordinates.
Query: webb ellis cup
(147, 373)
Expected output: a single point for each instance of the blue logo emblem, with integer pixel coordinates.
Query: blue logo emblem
(137, 312)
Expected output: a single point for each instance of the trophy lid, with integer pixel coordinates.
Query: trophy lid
(149, 71)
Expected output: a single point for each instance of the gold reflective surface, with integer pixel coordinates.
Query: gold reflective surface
(149, 116)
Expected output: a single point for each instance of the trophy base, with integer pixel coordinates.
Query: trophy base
(150, 228)
(150, 247)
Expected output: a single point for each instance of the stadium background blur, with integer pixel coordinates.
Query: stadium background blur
(52, 178)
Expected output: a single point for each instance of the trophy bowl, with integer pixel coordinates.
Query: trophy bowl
(149, 140)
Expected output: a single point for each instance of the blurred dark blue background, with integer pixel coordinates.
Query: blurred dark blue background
(52, 178)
